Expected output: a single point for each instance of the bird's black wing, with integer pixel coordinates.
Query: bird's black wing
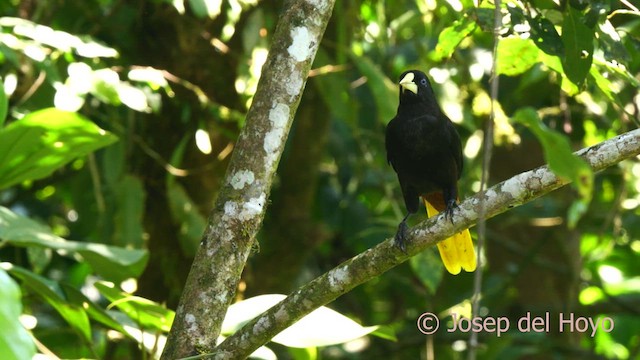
(455, 146)
(392, 143)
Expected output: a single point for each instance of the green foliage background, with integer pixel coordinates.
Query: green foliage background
(117, 119)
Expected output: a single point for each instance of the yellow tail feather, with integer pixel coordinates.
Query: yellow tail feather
(457, 252)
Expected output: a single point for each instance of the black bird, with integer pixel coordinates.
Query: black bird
(424, 149)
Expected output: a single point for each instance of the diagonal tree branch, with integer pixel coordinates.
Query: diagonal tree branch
(241, 203)
(513, 192)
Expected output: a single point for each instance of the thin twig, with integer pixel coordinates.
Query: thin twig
(486, 164)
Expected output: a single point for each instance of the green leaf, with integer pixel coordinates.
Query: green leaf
(43, 141)
(110, 262)
(143, 312)
(578, 45)
(94, 311)
(561, 160)
(310, 353)
(428, 268)
(63, 41)
(333, 89)
(185, 213)
(4, 104)
(600, 67)
(51, 292)
(321, 327)
(206, 8)
(611, 43)
(130, 195)
(451, 37)
(105, 83)
(604, 85)
(555, 64)
(545, 36)
(381, 87)
(516, 55)
(15, 341)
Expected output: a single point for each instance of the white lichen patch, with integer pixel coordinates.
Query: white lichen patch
(252, 208)
(490, 194)
(281, 316)
(513, 187)
(546, 176)
(261, 325)
(273, 139)
(242, 211)
(242, 178)
(190, 319)
(222, 297)
(339, 277)
(465, 212)
(279, 115)
(300, 48)
(294, 85)
(230, 209)
(319, 4)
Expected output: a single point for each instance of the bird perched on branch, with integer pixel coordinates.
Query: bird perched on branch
(425, 151)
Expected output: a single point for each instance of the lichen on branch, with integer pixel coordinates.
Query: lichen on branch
(239, 209)
(508, 194)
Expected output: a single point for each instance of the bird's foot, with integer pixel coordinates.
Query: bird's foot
(452, 205)
(400, 240)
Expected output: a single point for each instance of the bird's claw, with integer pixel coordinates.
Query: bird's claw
(400, 240)
(452, 205)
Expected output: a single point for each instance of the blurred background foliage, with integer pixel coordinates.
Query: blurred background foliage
(121, 115)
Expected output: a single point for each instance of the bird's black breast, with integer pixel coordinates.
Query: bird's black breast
(422, 151)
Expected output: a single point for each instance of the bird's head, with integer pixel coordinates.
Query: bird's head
(415, 87)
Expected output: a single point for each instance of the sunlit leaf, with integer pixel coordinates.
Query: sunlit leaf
(133, 97)
(451, 37)
(90, 48)
(605, 341)
(206, 8)
(57, 39)
(610, 42)
(67, 99)
(152, 76)
(94, 311)
(105, 84)
(51, 292)
(321, 327)
(555, 64)
(605, 84)
(143, 312)
(15, 342)
(578, 45)
(516, 55)
(41, 142)
(111, 262)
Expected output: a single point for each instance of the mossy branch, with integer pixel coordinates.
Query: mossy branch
(242, 201)
(508, 194)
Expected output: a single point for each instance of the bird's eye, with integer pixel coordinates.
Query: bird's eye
(423, 81)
